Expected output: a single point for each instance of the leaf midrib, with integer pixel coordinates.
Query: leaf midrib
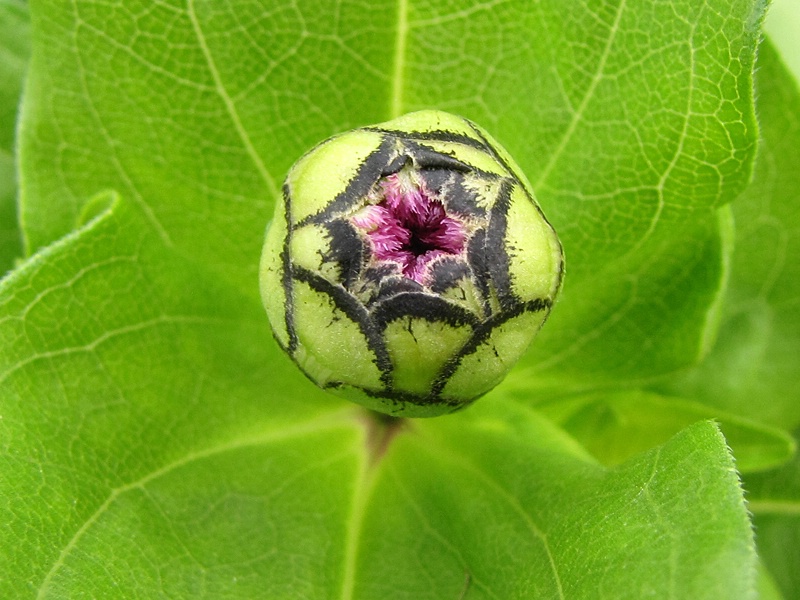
(448, 453)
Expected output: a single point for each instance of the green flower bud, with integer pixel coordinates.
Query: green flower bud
(408, 266)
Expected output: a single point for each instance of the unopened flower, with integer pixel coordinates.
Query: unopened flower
(408, 265)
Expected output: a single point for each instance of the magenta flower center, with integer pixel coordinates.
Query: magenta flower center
(409, 226)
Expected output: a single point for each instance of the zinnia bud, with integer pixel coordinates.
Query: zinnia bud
(408, 266)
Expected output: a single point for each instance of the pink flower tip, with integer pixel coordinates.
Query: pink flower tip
(409, 226)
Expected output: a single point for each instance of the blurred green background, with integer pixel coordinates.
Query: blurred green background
(783, 25)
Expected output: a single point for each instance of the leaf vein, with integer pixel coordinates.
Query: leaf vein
(398, 70)
(577, 116)
(230, 106)
(101, 339)
(328, 421)
(515, 505)
(108, 139)
(423, 517)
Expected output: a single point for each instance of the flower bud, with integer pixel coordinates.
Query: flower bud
(408, 266)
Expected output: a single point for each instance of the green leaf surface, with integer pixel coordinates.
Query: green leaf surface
(178, 467)
(754, 369)
(648, 149)
(145, 380)
(615, 426)
(14, 52)
(783, 28)
(155, 442)
(544, 536)
(632, 122)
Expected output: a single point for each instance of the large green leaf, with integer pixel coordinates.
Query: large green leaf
(754, 369)
(154, 441)
(14, 51)
(660, 132)
(178, 466)
(492, 501)
(631, 121)
(146, 378)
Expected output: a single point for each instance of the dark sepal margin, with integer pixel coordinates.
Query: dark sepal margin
(352, 308)
(509, 170)
(347, 249)
(421, 305)
(459, 199)
(359, 186)
(395, 165)
(526, 191)
(492, 150)
(476, 257)
(430, 158)
(438, 135)
(495, 254)
(391, 285)
(402, 398)
(286, 272)
(415, 399)
(481, 334)
(447, 273)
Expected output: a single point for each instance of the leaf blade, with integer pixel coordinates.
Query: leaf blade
(756, 353)
(422, 540)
